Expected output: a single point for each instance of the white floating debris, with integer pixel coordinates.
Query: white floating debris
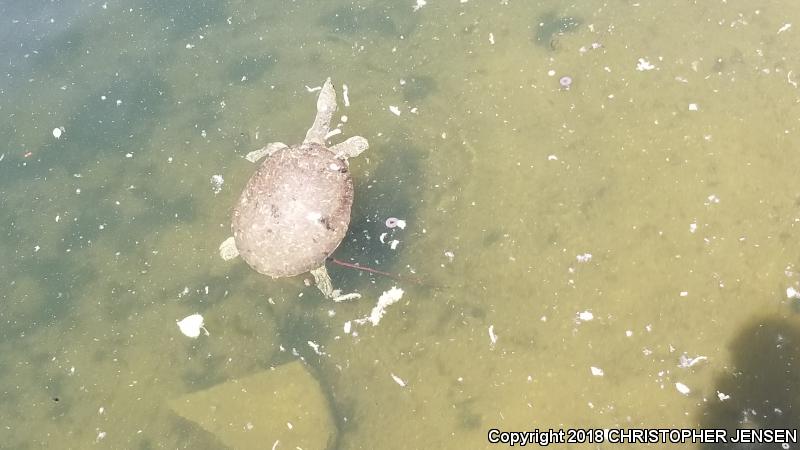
(191, 325)
(119, 102)
(216, 183)
(792, 293)
(398, 380)
(395, 110)
(586, 257)
(585, 316)
(644, 65)
(190, 46)
(346, 99)
(693, 107)
(712, 199)
(314, 89)
(382, 238)
(692, 227)
(347, 327)
(682, 388)
(316, 347)
(491, 38)
(552, 158)
(722, 396)
(346, 297)
(492, 336)
(386, 299)
(344, 119)
(596, 371)
(628, 333)
(100, 436)
(685, 362)
(785, 27)
(393, 244)
(684, 294)
(333, 133)
(450, 255)
(551, 73)
(418, 5)
(57, 132)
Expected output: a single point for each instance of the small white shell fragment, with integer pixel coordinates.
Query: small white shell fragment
(191, 325)
(722, 396)
(682, 388)
(693, 107)
(596, 371)
(398, 380)
(346, 98)
(395, 110)
(586, 257)
(585, 316)
(492, 336)
(393, 244)
(57, 132)
(228, 250)
(644, 65)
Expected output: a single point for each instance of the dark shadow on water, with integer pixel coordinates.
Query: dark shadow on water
(550, 26)
(762, 382)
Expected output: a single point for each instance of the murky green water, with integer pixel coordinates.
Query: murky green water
(658, 193)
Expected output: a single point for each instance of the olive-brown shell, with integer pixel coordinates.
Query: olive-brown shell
(294, 211)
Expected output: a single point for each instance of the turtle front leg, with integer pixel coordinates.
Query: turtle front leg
(350, 148)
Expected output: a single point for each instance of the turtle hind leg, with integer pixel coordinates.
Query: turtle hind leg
(323, 281)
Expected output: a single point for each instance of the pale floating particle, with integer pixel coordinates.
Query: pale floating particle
(644, 65)
(203, 133)
(244, 78)
(712, 199)
(491, 38)
(682, 388)
(586, 257)
(792, 293)
(57, 132)
(692, 227)
(551, 73)
(191, 325)
(316, 347)
(100, 436)
(249, 426)
(552, 158)
(785, 27)
(450, 255)
(382, 238)
(101, 410)
(104, 6)
(216, 183)
(129, 155)
(585, 316)
(393, 244)
(343, 119)
(492, 336)
(628, 333)
(289, 425)
(78, 190)
(398, 380)
(414, 110)
(346, 97)
(722, 396)
(347, 327)
(395, 110)
(685, 362)
(419, 5)
(596, 371)
(648, 327)
(401, 224)
(444, 135)
(314, 89)
(190, 46)
(684, 293)
(36, 248)
(119, 102)
(693, 107)
(58, 217)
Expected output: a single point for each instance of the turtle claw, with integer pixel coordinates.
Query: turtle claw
(326, 106)
(266, 150)
(350, 148)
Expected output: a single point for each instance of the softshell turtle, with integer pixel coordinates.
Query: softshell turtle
(295, 209)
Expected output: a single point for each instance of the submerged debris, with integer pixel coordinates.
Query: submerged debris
(191, 325)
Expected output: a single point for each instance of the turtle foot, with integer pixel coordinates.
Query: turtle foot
(350, 148)
(266, 150)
